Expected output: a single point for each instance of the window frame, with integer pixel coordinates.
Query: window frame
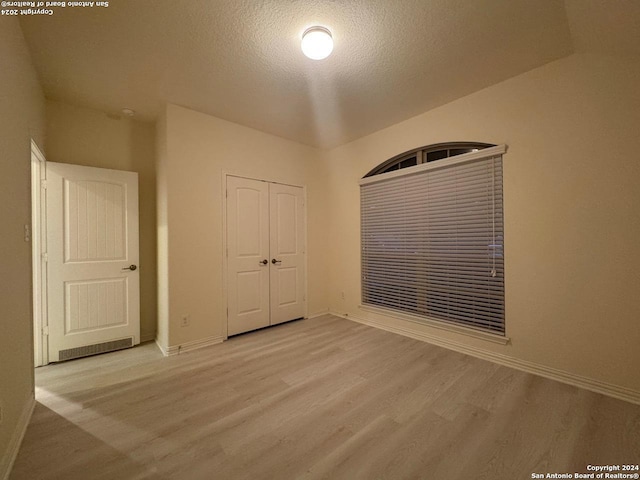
(421, 155)
(372, 177)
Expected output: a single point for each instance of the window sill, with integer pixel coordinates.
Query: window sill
(439, 324)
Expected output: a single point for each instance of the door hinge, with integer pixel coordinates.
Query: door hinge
(43, 184)
(45, 331)
(45, 257)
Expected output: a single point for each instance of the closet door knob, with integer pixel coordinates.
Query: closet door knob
(274, 261)
(264, 262)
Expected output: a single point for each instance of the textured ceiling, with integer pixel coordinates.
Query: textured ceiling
(240, 59)
(605, 26)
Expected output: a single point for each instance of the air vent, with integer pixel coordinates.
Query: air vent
(88, 350)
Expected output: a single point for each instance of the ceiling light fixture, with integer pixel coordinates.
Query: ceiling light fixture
(317, 43)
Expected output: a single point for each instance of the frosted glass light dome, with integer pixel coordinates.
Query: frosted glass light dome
(317, 43)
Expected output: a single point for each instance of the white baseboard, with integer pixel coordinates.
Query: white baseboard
(611, 390)
(164, 351)
(188, 346)
(319, 314)
(16, 439)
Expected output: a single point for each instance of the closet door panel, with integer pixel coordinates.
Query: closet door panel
(248, 248)
(287, 245)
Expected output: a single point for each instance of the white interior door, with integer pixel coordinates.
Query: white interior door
(287, 242)
(248, 253)
(265, 254)
(93, 282)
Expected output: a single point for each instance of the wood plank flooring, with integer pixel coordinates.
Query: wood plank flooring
(321, 398)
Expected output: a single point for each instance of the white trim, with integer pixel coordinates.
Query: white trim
(445, 162)
(162, 350)
(189, 346)
(609, 389)
(38, 251)
(36, 150)
(318, 314)
(440, 324)
(16, 439)
(305, 228)
(225, 258)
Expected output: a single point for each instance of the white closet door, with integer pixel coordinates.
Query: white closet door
(248, 254)
(287, 236)
(93, 282)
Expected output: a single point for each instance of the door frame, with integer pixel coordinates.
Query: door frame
(39, 255)
(225, 263)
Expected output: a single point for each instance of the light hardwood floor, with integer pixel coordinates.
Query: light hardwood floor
(321, 398)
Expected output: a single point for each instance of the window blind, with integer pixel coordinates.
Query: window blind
(432, 240)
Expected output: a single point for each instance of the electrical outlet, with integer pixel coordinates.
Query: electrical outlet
(186, 321)
(342, 295)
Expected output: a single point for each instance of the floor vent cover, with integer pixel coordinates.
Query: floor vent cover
(87, 350)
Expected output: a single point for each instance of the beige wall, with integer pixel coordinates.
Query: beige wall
(89, 137)
(571, 199)
(21, 118)
(199, 149)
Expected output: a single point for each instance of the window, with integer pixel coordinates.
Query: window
(432, 236)
(427, 154)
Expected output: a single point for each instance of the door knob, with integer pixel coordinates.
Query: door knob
(274, 261)
(130, 267)
(264, 262)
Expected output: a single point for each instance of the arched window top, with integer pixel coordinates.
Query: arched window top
(426, 154)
